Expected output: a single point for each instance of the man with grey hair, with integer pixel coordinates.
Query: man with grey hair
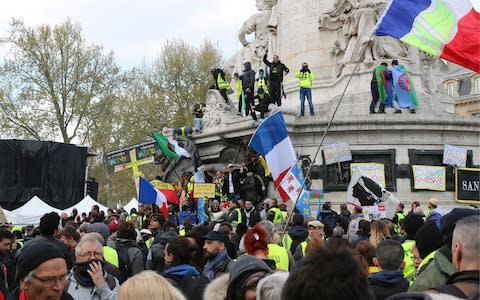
(88, 280)
(465, 283)
(282, 257)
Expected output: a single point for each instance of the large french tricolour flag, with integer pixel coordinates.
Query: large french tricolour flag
(149, 194)
(272, 142)
(448, 29)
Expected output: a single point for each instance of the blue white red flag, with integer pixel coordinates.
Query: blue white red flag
(272, 142)
(149, 194)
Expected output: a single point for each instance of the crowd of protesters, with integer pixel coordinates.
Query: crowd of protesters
(244, 250)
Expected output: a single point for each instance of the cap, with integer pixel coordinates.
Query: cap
(229, 165)
(35, 253)
(315, 223)
(433, 202)
(215, 236)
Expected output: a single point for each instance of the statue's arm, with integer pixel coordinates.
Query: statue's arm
(247, 28)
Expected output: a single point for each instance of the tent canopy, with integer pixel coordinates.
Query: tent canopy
(132, 204)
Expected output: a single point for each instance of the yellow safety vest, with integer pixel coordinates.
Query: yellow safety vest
(181, 232)
(239, 216)
(287, 242)
(427, 259)
(409, 270)
(238, 87)
(263, 85)
(110, 255)
(304, 245)
(305, 79)
(400, 217)
(279, 216)
(148, 243)
(373, 269)
(279, 255)
(222, 84)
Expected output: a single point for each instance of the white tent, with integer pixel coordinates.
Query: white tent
(30, 212)
(85, 206)
(132, 204)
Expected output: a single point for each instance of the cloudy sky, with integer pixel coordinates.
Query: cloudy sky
(136, 30)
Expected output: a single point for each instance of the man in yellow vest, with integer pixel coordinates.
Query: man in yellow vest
(410, 225)
(235, 213)
(221, 83)
(283, 258)
(315, 230)
(275, 214)
(239, 92)
(305, 78)
(399, 216)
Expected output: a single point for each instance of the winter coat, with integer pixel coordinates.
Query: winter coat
(386, 283)
(155, 256)
(244, 266)
(254, 217)
(188, 280)
(276, 69)
(248, 78)
(298, 234)
(15, 295)
(436, 273)
(80, 292)
(135, 254)
(464, 285)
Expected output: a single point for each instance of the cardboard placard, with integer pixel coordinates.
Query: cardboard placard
(429, 178)
(454, 156)
(338, 152)
(375, 171)
(202, 190)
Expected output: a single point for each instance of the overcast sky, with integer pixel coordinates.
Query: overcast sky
(136, 30)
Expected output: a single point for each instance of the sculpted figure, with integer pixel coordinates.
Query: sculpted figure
(263, 26)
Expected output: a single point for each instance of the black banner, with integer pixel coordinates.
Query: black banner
(122, 156)
(54, 172)
(467, 185)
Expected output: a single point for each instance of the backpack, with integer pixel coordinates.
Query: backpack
(123, 263)
(330, 219)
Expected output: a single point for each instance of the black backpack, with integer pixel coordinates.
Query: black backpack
(123, 263)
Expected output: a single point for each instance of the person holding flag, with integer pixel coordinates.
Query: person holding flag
(405, 94)
(377, 86)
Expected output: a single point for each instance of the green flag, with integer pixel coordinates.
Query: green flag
(166, 147)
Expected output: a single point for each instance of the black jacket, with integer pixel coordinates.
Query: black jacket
(254, 217)
(276, 69)
(386, 283)
(236, 182)
(248, 78)
(463, 285)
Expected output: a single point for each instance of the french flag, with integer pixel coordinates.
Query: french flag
(272, 142)
(149, 194)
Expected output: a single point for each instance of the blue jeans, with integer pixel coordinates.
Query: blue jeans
(305, 92)
(197, 123)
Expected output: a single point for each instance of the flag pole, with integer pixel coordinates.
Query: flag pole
(284, 231)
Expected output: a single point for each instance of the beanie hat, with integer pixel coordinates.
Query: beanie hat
(35, 253)
(113, 226)
(411, 224)
(298, 219)
(428, 239)
(448, 222)
(433, 202)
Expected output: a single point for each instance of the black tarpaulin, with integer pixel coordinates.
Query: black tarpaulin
(54, 172)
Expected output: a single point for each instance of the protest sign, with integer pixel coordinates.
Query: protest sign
(202, 190)
(375, 171)
(338, 152)
(374, 212)
(467, 185)
(429, 177)
(454, 156)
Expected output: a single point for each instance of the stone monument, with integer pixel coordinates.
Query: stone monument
(335, 38)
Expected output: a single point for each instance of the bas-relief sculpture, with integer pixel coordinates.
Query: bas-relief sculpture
(354, 22)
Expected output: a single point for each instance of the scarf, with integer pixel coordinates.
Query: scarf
(81, 275)
(181, 270)
(213, 266)
(247, 214)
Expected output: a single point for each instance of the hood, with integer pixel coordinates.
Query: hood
(246, 264)
(181, 270)
(247, 66)
(386, 277)
(298, 232)
(127, 243)
(167, 236)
